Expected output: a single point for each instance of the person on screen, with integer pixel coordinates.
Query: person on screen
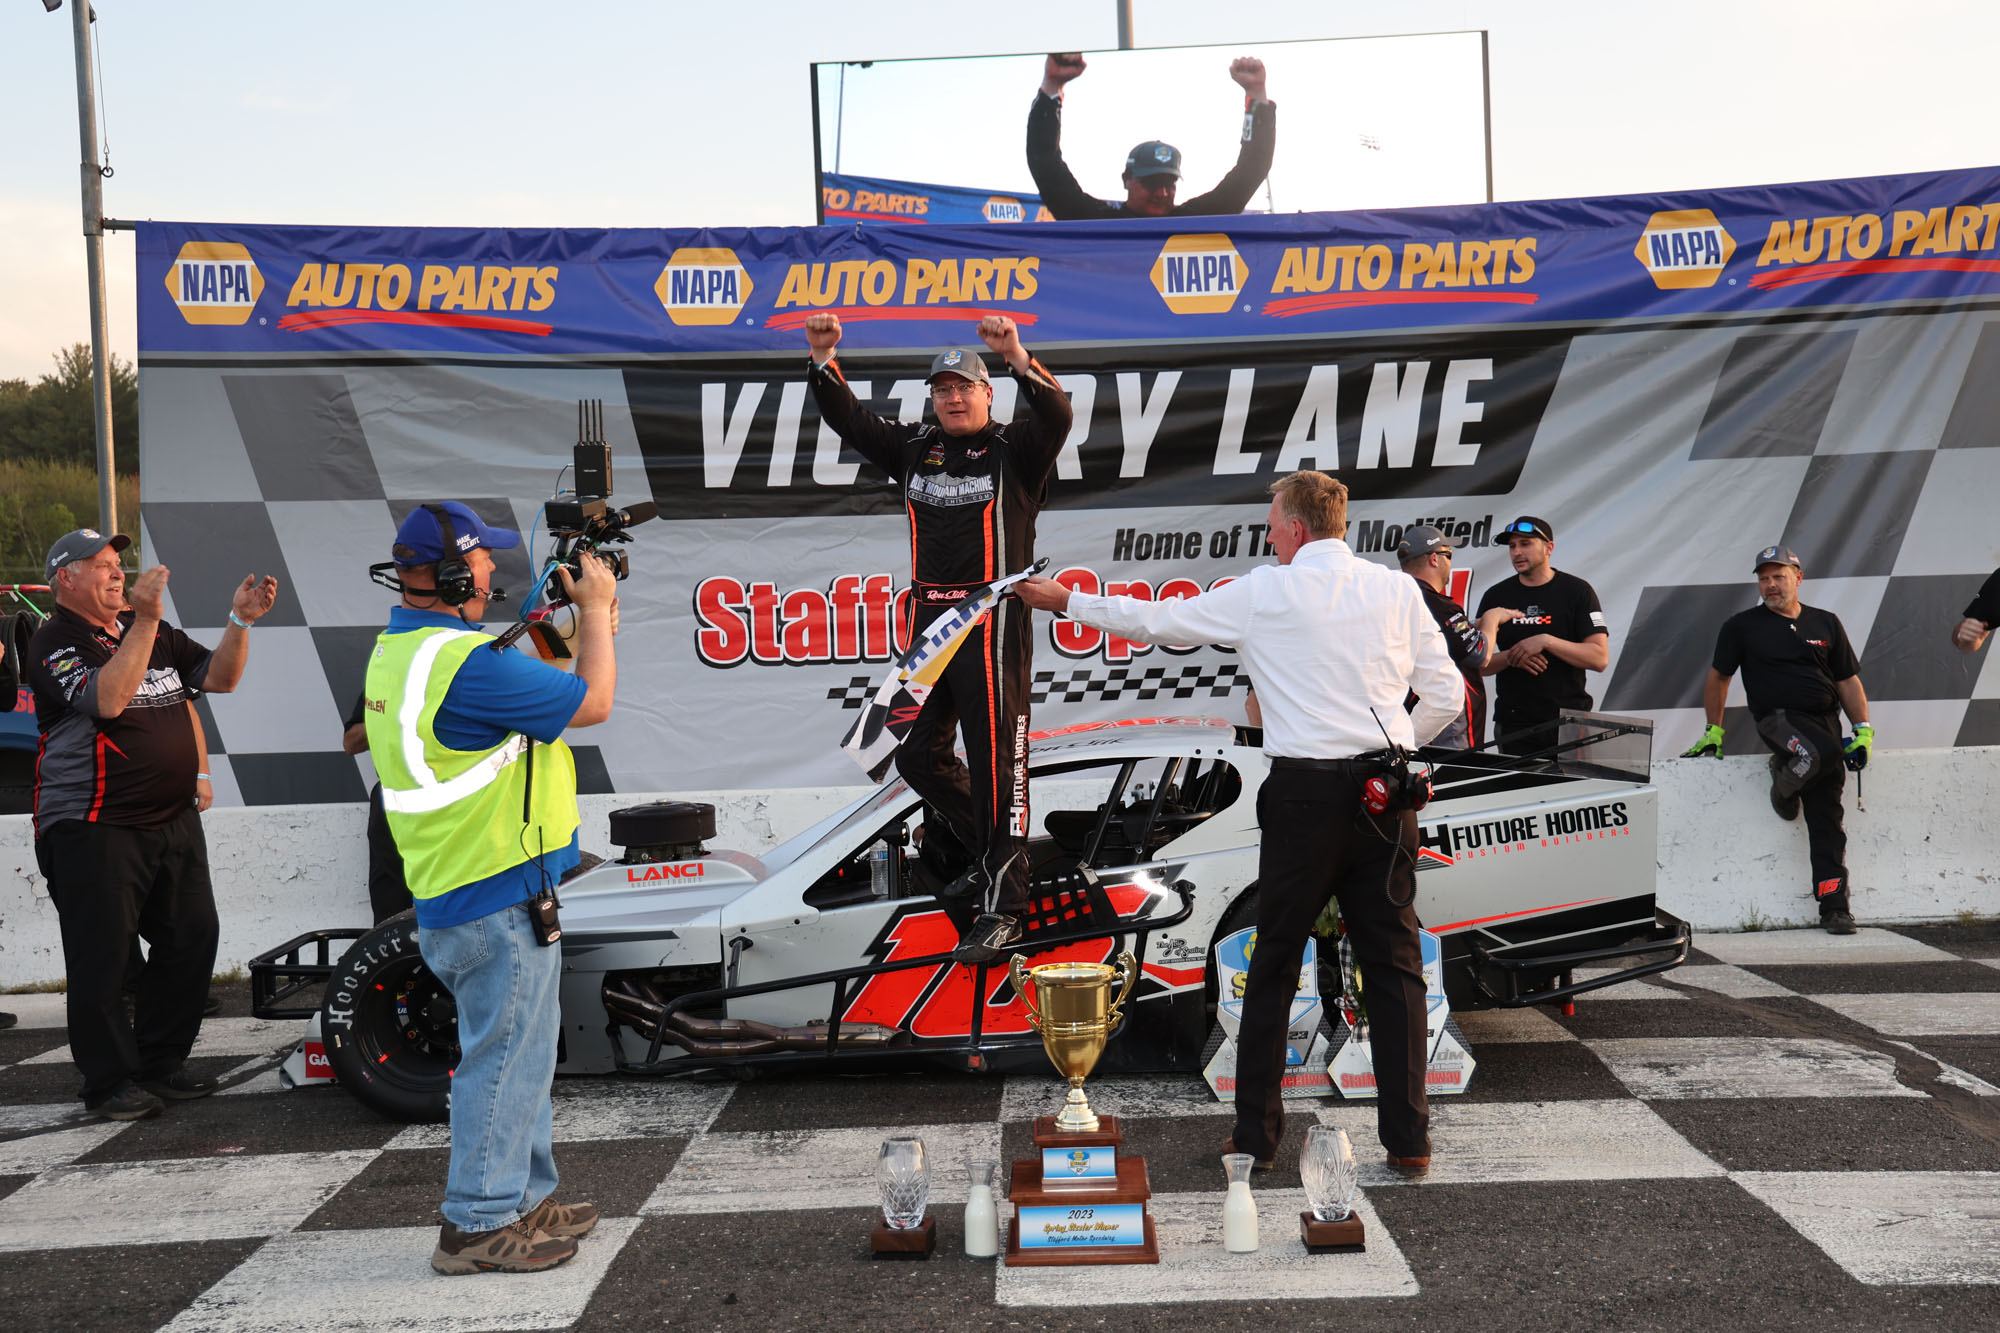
(1153, 169)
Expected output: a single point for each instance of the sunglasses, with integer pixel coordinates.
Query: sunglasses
(1522, 530)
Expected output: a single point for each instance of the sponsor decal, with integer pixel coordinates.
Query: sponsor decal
(1073, 638)
(1446, 843)
(703, 286)
(953, 289)
(949, 492)
(1336, 277)
(317, 1065)
(673, 870)
(1684, 249)
(855, 618)
(460, 296)
(1199, 275)
(875, 205)
(214, 282)
(1826, 888)
(1935, 240)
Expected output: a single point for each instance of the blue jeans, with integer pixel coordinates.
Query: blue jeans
(502, 1164)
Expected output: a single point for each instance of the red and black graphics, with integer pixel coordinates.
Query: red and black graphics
(851, 618)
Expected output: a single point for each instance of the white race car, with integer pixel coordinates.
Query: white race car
(834, 948)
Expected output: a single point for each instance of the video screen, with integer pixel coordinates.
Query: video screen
(1352, 123)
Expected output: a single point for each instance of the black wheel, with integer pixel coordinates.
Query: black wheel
(391, 1028)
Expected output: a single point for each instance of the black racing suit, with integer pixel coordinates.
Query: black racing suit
(1066, 201)
(972, 501)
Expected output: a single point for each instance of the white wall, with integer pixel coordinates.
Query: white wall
(1927, 847)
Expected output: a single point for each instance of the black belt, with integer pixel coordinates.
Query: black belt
(1324, 765)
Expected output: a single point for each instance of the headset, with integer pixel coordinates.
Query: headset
(456, 584)
(1397, 787)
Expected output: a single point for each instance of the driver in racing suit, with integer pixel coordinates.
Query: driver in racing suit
(971, 487)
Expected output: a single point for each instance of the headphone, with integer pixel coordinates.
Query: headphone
(455, 585)
(1396, 787)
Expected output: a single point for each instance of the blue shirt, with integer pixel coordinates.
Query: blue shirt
(495, 694)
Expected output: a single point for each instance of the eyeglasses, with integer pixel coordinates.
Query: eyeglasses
(962, 389)
(1521, 530)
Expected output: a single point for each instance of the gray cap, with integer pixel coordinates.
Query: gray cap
(80, 545)
(1777, 555)
(1419, 541)
(1153, 158)
(961, 361)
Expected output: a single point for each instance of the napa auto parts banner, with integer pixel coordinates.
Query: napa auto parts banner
(1671, 381)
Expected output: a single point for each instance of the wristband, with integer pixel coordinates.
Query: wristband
(239, 621)
(202, 777)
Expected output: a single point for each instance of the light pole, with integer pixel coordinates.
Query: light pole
(93, 249)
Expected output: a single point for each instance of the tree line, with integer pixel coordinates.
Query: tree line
(48, 459)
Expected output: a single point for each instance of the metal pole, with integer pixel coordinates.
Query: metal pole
(1125, 38)
(93, 249)
(1486, 98)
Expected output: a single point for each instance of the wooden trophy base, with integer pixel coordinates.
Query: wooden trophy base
(1026, 1190)
(1346, 1235)
(1106, 1135)
(889, 1242)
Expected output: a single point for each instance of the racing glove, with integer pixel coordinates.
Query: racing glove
(1709, 744)
(1855, 756)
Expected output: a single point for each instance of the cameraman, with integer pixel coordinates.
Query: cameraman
(480, 793)
(1332, 644)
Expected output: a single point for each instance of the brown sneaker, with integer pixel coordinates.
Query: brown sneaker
(518, 1248)
(1410, 1167)
(562, 1219)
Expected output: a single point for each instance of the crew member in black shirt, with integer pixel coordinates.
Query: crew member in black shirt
(1153, 169)
(1543, 650)
(1425, 555)
(1969, 635)
(1798, 671)
(116, 832)
(971, 487)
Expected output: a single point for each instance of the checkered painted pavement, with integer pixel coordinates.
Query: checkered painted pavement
(1793, 1130)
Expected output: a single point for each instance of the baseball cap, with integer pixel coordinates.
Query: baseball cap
(422, 534)
(958, 361)
(1527, 525)
(1419, 541)
(80, 545)
(1153, 158)
(1777, 555)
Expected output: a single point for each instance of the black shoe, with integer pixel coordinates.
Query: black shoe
(971, 884)
(989, 935)
(128, 1103)
(213, 1005)
(7, 1020)
(1838, 923)
(1786, 806)
(179, 1086)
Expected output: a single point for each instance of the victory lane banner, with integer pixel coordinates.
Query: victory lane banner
(1672, 381)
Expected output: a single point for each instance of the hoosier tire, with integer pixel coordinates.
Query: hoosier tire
(390, 1026)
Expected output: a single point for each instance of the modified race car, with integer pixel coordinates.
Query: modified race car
(834, 948)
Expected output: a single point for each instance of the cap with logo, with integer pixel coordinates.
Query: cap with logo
(1527, 525)
(1420, 540)
(422, 535)
(961, 361)
(1777, 555)
(1153, 158)
(80, 545)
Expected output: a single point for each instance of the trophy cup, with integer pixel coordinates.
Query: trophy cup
(1327, 1169)
(903, 1174)
(1075, 1016)
(1080, 1203)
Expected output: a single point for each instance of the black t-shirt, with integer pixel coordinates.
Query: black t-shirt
(1565, 607)
(1786, 663)
(1468, 651)
(136, 769)
(1986, 606)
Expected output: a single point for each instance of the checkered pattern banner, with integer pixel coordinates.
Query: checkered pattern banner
(1695, 408)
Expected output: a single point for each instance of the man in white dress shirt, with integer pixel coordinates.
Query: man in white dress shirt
(1333, 645)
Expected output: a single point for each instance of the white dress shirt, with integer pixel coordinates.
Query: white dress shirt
(1325, 638)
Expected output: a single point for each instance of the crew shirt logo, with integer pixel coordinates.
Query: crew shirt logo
(700, 286)
(1199, 275)
(1684, 249)
(214, 282)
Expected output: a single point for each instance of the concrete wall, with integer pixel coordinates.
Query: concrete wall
(1927, 847)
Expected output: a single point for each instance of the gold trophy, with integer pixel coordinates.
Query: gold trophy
(1074, 1012)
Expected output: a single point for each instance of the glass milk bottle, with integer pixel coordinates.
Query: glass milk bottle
(982, 1217)
(1239, 1210)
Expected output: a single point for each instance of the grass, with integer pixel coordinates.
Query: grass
(61, 987)
(1755, 921)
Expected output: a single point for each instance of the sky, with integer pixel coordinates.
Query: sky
(622, 113)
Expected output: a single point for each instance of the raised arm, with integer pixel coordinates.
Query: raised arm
(877, 439)
(1253, 159)
(1061, 195)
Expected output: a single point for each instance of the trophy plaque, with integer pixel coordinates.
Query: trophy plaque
(1077, 1201)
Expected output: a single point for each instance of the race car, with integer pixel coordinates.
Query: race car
(834, 948)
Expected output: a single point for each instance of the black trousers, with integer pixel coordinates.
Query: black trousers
(1807, 762)
(110, 883)
(1318, 843)
(1524, 732)
(982, 696)
(388, 891)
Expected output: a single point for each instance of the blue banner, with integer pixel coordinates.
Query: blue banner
(872, 201)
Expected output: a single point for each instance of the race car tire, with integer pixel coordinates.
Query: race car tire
(390, 1026)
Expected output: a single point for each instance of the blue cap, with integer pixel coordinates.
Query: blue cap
(1153, 158)
(423, 538)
